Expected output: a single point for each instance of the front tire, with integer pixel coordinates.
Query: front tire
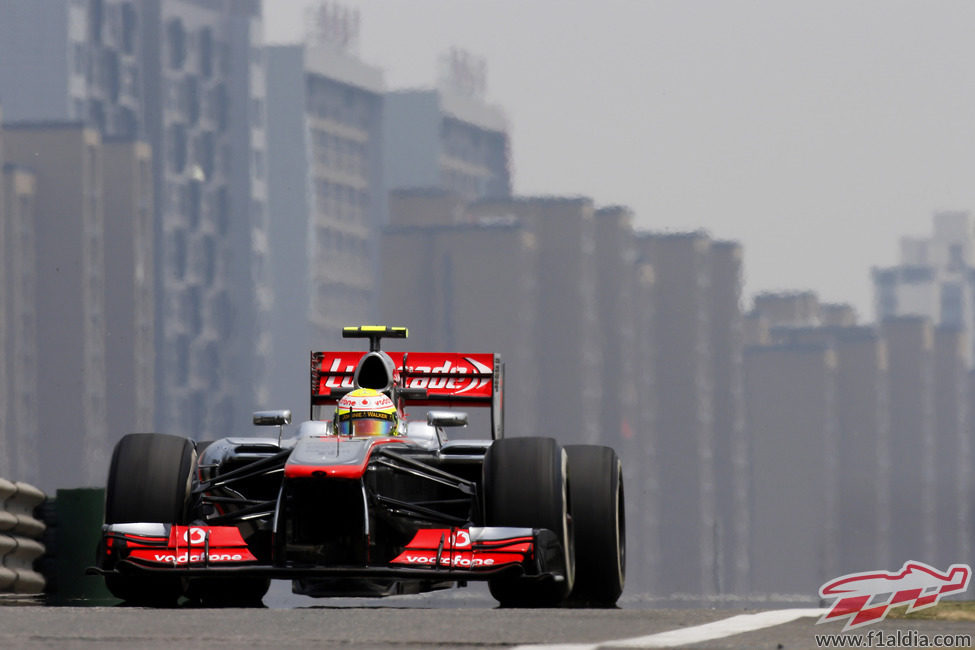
(149, 480)
(526, 485)
(598, 514)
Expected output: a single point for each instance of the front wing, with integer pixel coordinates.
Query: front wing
(474, 553)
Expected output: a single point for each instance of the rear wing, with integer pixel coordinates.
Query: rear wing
(421, 379)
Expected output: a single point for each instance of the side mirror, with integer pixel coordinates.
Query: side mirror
(272, 418)
(447, 418)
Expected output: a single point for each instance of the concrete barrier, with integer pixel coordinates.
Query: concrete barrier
(20, 534)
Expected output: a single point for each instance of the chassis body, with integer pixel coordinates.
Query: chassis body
(350, 516)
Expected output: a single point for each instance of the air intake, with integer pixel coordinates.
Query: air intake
(375, 370)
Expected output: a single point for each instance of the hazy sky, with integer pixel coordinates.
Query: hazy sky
(815, 133)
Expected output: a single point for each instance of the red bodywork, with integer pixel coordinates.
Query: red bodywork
(462, 548)
(419, 379)
(182, 546)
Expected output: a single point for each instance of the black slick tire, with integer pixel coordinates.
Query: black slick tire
(526, 485)
(149, 480)
(599, 519)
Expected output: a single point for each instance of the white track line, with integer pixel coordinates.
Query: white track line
(696, 634)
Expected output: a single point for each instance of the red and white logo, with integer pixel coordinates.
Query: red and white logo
(460, 539)
(187, 545)
(444, 377)
(864, 598)
(462, 548)
(358, 402)
(195, 536)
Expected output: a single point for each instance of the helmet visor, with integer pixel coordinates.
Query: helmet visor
(367, 427)
(370, 423)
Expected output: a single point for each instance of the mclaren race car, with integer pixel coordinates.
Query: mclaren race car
(361, 502)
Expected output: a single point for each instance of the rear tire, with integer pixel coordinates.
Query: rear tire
(149, 480)
(526, 485)
(599, 519)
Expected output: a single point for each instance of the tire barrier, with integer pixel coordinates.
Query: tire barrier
(20, 535)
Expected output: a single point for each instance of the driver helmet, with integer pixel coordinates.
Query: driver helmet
(366, 412)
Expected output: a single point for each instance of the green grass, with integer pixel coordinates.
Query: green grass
(949, 610)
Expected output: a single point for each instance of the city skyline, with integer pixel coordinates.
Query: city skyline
(816, 134)
(284, 191)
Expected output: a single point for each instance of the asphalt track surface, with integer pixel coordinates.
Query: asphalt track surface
(441, 622)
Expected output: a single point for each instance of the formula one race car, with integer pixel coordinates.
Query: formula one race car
(363, 503)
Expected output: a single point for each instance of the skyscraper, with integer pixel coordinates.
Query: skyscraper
(565, 334)
(448, 137)
(910, 344)
(130, 308)
(860, 520)
(326, 201)
(188, 77)
(952, 444)
(73, 60)
(685, 415)
(935, 277)
(70, 322)
(465, 281)
(790, 404)
(5, 314)
(18, 321)
(204, 114)
(730, 443)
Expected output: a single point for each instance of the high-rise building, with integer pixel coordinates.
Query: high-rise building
(70, 315)
(935, 277)
(790, 396)
(863, 508)
(565, 334)
(685, 416)
(863, 409)
(18, 313)
(129, 279)
(730, 443)
(5, 315)
(616, 278)
(447, 137)
(952, 447)
(73, 60)
(641, 452)
(187, 76)
(966, 520)
(789, 308)
(466, 283)
(833, 314)
(326, 203)
(204, 111)
(861, 520)
(757, 329)
(910, 343)
(624, 305)
(64, 61)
